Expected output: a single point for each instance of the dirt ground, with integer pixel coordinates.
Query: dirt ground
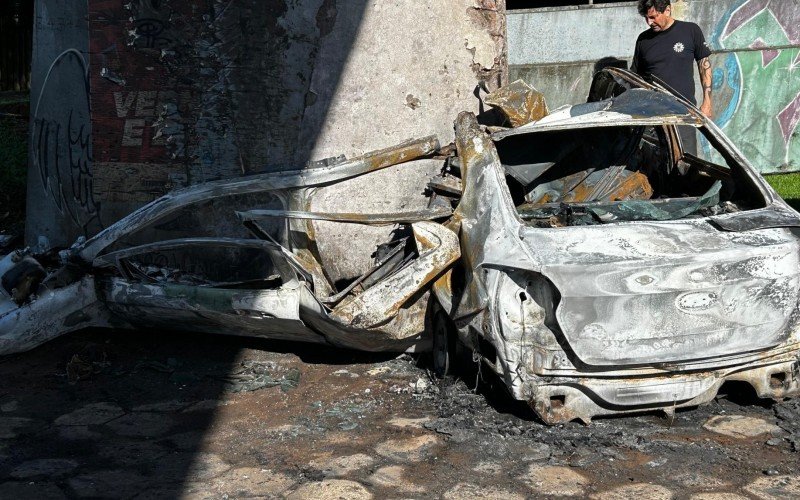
(162, 415)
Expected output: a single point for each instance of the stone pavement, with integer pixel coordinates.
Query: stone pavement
(158, 415)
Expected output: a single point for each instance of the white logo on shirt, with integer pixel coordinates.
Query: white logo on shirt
(678, 47)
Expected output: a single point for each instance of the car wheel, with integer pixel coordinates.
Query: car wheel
(22, 280)
(443, 344)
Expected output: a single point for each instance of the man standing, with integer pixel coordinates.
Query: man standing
(668, 50)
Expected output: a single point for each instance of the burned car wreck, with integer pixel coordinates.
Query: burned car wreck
(582, 255)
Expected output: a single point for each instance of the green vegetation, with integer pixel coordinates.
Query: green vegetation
(788, 186)
(12, 98)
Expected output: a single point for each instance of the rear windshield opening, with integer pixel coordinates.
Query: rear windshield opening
(610, 174)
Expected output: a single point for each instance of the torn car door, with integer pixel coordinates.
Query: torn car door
(250, 289)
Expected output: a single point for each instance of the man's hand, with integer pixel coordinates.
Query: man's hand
(704, 68)
(705, 108)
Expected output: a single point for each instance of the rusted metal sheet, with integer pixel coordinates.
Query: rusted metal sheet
(613, 184)
(286, 296)
(439, 212)
(437, 247)
(448, 185)
(520, 102)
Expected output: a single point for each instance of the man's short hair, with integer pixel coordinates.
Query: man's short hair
(659, 5)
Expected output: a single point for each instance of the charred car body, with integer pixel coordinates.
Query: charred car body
(582, 255)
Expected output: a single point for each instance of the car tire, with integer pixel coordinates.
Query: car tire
(444, 344)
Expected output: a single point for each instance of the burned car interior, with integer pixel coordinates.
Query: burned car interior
(616, 173)
(609, 174)
(595, 266)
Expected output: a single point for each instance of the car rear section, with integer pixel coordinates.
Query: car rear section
(640, 316)
(611, 272)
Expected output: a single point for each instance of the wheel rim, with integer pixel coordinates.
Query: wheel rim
(441, 354)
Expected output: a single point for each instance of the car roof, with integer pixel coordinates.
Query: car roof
(634, 107)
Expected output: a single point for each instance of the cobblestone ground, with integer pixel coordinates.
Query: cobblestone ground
(162, 415)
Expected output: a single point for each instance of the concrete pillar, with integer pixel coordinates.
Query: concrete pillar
(185, 92)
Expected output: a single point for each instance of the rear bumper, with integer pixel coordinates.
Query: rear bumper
(562, 399)
(538, 366)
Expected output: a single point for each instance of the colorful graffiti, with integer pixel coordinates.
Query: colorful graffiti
(758, 84)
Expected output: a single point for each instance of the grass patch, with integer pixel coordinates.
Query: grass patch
(788, 186)
(13, 98)
(13, 170)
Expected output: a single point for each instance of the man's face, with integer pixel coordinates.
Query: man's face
(659, 21)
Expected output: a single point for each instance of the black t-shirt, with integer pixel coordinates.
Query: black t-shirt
(670, 55)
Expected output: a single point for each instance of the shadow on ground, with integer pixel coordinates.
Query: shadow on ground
(122, 414)
(129, 414)
(109, 413)
(151, 414)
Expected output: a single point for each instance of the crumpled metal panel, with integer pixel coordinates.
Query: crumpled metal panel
(678, 294)
(52, 314)
(387, 313)
(260, 313)
(487, 226)
(592, 320)
(326, 174)
(611, 184)
(636, 107)
(438, 248)
(652, 293)
(520, 102)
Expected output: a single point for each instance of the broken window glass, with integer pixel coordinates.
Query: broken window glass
(608, 174)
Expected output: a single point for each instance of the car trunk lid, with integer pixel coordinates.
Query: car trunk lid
(656, 293)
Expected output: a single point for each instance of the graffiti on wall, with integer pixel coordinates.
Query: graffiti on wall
(136, 104)
(757, 86)
(62, 141)
(138, 109)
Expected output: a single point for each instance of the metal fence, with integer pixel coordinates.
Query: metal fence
(16, 37)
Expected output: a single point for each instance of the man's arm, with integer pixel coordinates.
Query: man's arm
(702, 52)
(704, 67)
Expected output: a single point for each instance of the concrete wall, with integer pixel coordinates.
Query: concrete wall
(756, 62)
(185, 92)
